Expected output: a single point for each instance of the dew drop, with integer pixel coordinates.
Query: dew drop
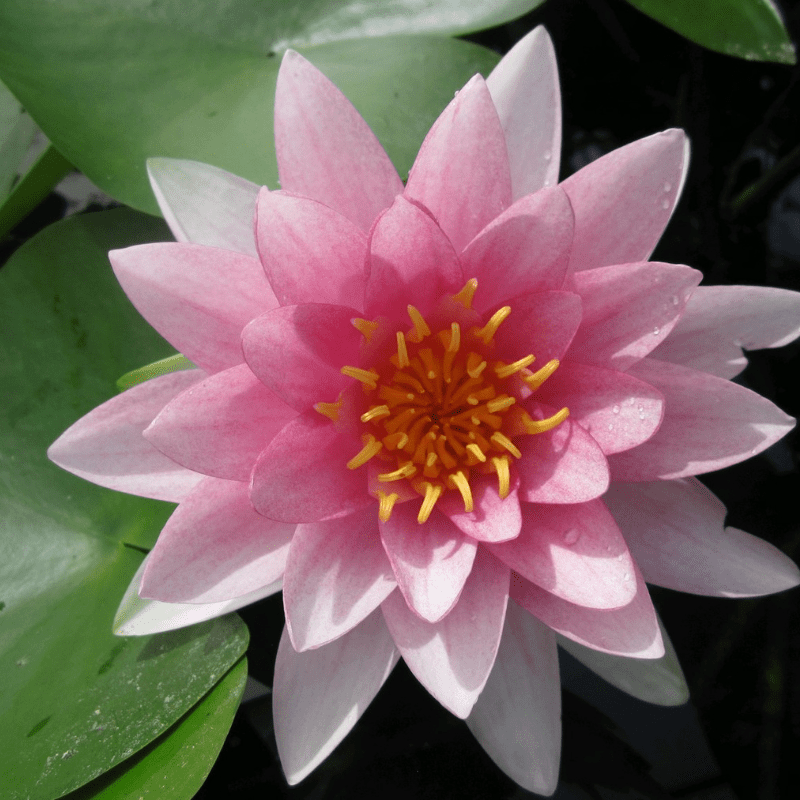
(571, 536)
(675, 299)
(626, 577)
(615, 409)
(665, 203)
(656, 330)
(547, 155)
(667, 186)
(610, 426)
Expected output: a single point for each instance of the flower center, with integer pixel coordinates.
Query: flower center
(442, 408)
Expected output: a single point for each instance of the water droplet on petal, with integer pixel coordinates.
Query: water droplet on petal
(665, 204)
(547, 155)
(626, 577)
(615, 409)
(656, 330)
(571, 536)
(675, 299)
(667, 186)
(610, 426)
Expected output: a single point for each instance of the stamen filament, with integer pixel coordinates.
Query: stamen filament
(371, 448)
(500, 464)
(476, 453)
(503, 441)
(421, 329)
(406, 471)
(387, 502)
(433, 492)
(402, 351)
(487, 332)
(506, 370)
(376, 412)
(541, 375)
(395, 441)
(475, 365)
(542, 425)
(500, 403)
(366, 327)
(367, 377)
(330, 410)
(467, 293)
(459, 480)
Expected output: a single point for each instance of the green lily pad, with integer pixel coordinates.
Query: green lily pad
(112, 84)
(174, 766)
(751, 29)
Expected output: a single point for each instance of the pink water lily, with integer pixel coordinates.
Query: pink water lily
(451, 418)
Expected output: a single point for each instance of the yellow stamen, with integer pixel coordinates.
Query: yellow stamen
(506, 370)
(541, 375)
(467, 293)
(376, 412)
(503, 441)
(330, 410)
(500, 464)
(542, 425)
(395, 441)
(448, 460)
(433, 492)
(421, 329)
(476, 452)
(387, 502)
(406, 471)
(459, 480)
(367, 376)
(371, 448)
(475, 365)
(487, 332)
(402, 351)
(366, 327)
(500, 403)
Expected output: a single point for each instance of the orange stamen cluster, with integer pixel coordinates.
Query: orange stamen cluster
(443, 408)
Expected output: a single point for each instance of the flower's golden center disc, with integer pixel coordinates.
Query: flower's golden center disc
(443, 409)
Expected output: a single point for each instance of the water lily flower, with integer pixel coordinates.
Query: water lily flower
(450, 418)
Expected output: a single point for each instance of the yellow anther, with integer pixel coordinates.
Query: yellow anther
(542, 425)
(476, 452)
(455, 338)
(329, 410)
(406, 471)
(459, 480)
(366, 327)
(500, 403)
(387, 502)
(376, 412)
(395, 441)
(467, 293)
(506, 370)
(367, 376)
(402, 350)
(421, 329)
(473, 400)
(500, 464)
(487, 332)
(446, 459)
(433, 492)
(371, 448)
(403, 418)
(426, 356)
(501, 440)
(541, 375)
(475, 365)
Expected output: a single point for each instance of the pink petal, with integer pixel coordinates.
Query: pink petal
(310, 253)
(204, 204)
(628, 631)
(106, 446)
(325, 149)
(517, 719)
(452, 658)
(575, 552)
(494, 519)
(318, 695)
(198, 298)
(709, 423)
(676, 532)
(461, 172)
(337, 574)
(619, 411)
(721, 320)
(563, 465)
(526, 249)
(524, 88)
(624, 200)
(220, 426)
(215, 548)
(628, 310)
(139, 617)
(297, 351)
(302, 475)
(542, 323)
(431, 561)
(410, 260)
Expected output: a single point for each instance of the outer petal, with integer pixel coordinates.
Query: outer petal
(619, 411)
(709, 423)
(138, 617)
(524, 88)
(575, 552)
(204, 204)
(311, 253)
(325, 149)
(198, 298)
(461, 172)
(525, 249)
(628, 310)
(409, 258)
(452, 658)
(107, 447)
(319, 695)
(337, 574)
(517, 718)
(628, 631)
(563, 465)
(220, 426)
(302, 475)
(215, 548)
(624, 200)
(431, 561)
(676, 532)
(297, 351)
(721, 320)
(494, 519)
